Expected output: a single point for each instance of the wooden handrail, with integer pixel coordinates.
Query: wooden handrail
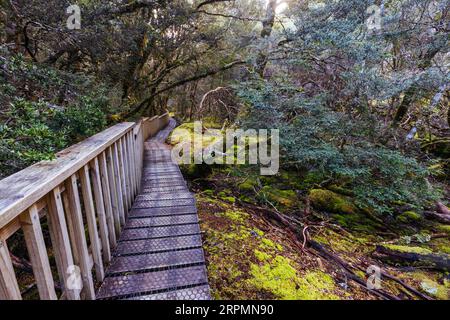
(21, 190)
(89, 186)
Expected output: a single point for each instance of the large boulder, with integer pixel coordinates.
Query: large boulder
(329, 201)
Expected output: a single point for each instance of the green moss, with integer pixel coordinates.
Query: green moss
(409, 216)
(196, 171)
(259, 232)
(343, 244)
(281, 279)
(430, 285)
(261, 256)
(341, 190)
(229, 199)
(331, 202)
(312, 178)
(444, 228)
(286, 198)
(248, 186)
(407, 249)
(269, 244)
(236, 215)
(445, 248)
(441, 245)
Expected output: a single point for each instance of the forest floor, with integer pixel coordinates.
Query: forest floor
(250, 255)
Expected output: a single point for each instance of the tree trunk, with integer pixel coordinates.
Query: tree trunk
(430, 260)
(268, 23)
(411, 92)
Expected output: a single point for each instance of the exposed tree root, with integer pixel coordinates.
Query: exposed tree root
(299, 230)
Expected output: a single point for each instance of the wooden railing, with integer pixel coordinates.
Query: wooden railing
(84, 197)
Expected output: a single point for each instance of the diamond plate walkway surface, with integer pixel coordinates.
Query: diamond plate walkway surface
(159, 255)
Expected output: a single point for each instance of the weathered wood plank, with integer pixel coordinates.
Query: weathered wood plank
(123, 177)
(126, 144)
(107, 199)
(113, 189)
(118, 175)
(37, 252)
(99, 196)
(132, 157)
(127, 163)
(9, 289)
(91, 222)
(76, 227)
(60, 241)
(23, 189)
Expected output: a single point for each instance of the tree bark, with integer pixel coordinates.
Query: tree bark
(439, 262)
(268, 23)
(412, 92)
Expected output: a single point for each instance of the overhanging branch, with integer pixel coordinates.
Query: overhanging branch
(181, 82)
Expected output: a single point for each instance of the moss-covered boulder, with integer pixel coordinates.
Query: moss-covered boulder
(249, 185)
(285, 198)
(330, 201)
(409, 216)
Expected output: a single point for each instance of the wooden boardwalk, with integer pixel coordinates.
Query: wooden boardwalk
(159, 255)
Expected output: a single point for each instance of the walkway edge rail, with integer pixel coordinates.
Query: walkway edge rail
(85, 195)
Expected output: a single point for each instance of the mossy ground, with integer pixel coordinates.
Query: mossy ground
(251, 257)
(247, 258)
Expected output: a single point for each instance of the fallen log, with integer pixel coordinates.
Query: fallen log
(321, 251)
(413, 255)
(442, 209)
(443, 218)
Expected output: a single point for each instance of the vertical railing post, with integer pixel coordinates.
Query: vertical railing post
(37, 251)
(100, 206)
(122, 173)
(117, 174)
(9, 289)
(76, 227)
(60, 241)
(91, 222)
(109, 210)
(113, 189)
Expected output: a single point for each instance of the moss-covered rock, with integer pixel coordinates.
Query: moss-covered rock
(330, 201)
(409, 216)
(285, 198)
(249, 185)
(194, 171)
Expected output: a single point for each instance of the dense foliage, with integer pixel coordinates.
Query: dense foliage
(358, 88)
(44, 111)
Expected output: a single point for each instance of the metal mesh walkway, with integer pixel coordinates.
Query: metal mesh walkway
(159, 255)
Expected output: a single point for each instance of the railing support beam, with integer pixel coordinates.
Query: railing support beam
(9, 289)
(37, 251)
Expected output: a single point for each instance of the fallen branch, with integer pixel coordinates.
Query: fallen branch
(435, 261)
(326, 254)
(443, 218)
